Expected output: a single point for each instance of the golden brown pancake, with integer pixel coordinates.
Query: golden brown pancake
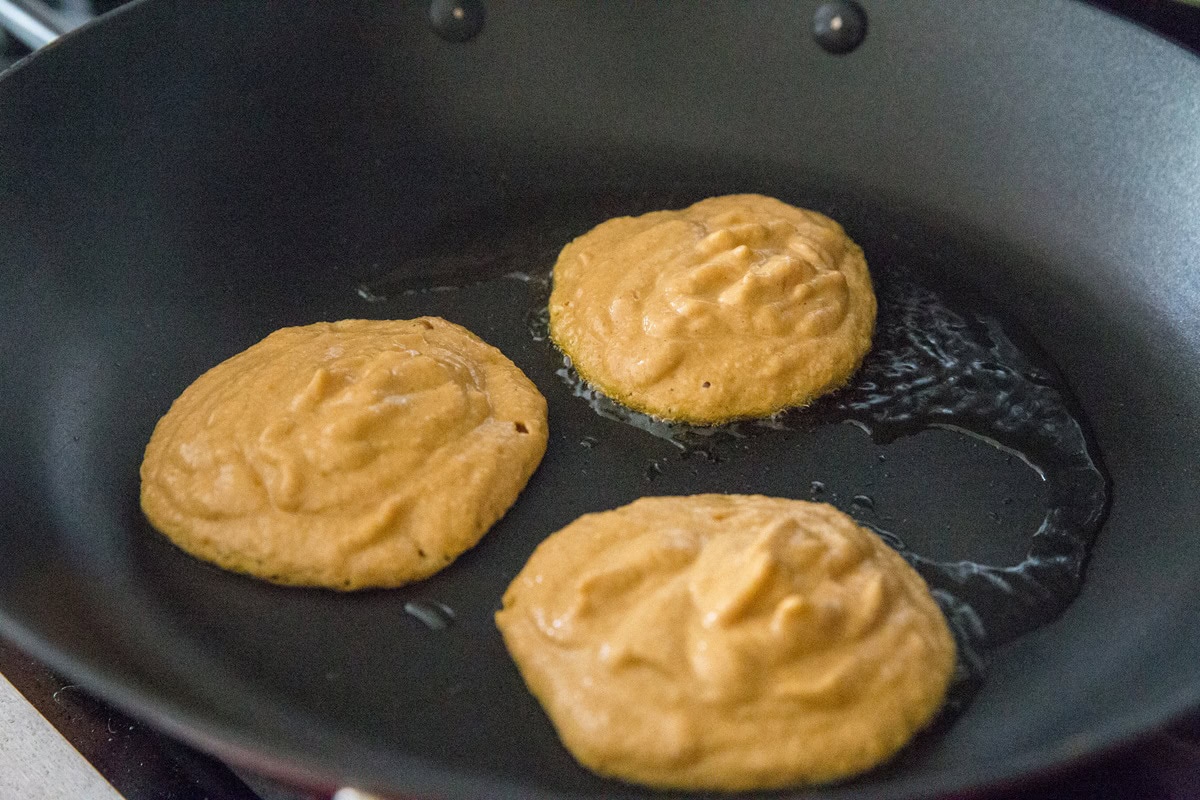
(347, 455)
(734, 307)
(727, 642)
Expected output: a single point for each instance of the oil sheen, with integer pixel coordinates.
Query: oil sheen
(935, 366)
(944, 359)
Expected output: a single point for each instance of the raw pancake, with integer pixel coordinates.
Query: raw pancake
(738, 306)
(727, 642)
(347, 454)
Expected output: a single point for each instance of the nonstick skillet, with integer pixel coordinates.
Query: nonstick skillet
(180, 179)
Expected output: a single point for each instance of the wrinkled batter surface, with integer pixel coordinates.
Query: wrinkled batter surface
(348, 454)
(727, 642)
(737, 306)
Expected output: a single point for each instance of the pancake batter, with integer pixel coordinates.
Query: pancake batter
(727, 642)
(347, 455)
(737, 306)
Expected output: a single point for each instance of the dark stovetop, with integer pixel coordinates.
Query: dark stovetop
(145, 765)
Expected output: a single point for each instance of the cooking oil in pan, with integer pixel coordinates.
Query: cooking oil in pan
(433, 615)
(934, 366)
(938, 363)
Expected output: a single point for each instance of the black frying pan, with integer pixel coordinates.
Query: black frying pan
(180, 179)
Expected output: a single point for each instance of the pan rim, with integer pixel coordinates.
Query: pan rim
(193, 726)
(24, 61)
(1143, 28)
(319, 769)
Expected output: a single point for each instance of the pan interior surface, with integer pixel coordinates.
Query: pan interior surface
(228, 170)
